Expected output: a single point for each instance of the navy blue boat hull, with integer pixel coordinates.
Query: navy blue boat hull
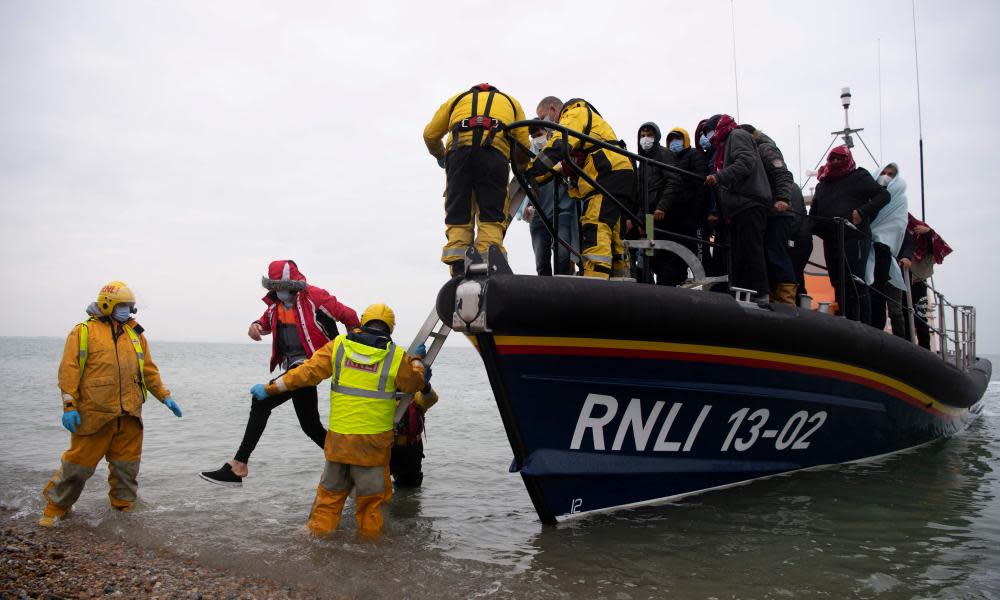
(635, 414)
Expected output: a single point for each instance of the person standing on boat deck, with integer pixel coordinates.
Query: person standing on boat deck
(888, 232)
(476, 162)
(407, 457)
(105, 375)
(780, 270)
(713, 228)
(652, 184)
(745, 197)
(569, 219)
(366, 369)
(680, 208)
(849, 192)
(600, 224)
(302, 318)
(925, 249)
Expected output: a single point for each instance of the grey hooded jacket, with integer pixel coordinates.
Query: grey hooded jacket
(743, 176)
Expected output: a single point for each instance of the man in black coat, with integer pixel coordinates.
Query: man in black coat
(652, 183)
(848, 192)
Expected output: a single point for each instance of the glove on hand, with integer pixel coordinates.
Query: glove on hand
(258, 392)
(71, 420)
(427, 375)
(420, 351)
(174, 408)
(441, 162)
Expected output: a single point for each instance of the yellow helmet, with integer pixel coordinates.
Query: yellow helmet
(379, 312)
(114, 293)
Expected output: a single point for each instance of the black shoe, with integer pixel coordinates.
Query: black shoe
(223, 476)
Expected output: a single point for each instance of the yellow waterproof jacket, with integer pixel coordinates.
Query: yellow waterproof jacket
(351, 448)
(110, 385)
(460, 106)
(579, 115)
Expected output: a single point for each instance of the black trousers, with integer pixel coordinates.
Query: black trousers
(479, 171)
(306, 409)
(746, 239)
(800, 253)
(919, 291)
(405, 465)
(855, 294)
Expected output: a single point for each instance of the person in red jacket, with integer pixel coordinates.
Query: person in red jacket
(301, 319)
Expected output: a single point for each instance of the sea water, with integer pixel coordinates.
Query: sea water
(923, 523)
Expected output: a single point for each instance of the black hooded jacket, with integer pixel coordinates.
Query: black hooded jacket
(838, 197)
(653, 181)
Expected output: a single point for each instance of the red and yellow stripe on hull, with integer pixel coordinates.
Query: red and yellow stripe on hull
(571, 346)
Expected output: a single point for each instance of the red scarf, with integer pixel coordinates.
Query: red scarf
(841, 168)
(725, 126)
(940, 247)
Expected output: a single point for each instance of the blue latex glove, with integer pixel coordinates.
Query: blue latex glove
(258, 392)
(441, 162)
(427, 375)
(420, 351)
(169, 403)
(71, 420)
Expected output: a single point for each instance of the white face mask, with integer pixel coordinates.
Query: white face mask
(646, 143)
(883, 180)
(537, 143)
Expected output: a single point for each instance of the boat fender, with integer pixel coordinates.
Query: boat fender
(469, 315)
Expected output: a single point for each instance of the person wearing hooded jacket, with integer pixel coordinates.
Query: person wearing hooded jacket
(888, 234)
(683, 202)
(711, 227)
(744, 197)
(600, 223)
(366, 370)
(652, 183)
(846, 191)
(301, 319)
(105, 374)
(780, 218)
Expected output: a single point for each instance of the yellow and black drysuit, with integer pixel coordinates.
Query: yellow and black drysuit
(476, 161)
(600, 223)
(104, 374)
(365, 371)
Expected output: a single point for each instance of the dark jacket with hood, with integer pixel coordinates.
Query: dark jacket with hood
(686, 197)
(743, 176)
(653, 181)
(838, 197)
(778, 175)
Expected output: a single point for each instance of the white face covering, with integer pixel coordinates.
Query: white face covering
(646, 143)
(883, 180)
(537, 143)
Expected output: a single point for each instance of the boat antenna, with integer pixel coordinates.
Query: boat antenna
(881, 147)
(920, 117)
(736, 77)
(799, 127)
(847, 134)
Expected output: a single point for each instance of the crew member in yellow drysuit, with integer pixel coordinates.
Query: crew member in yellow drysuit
(600, 223)
(476, 164)
(104, 376)
(366, 369)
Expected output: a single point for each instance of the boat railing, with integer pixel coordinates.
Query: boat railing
(955, 331)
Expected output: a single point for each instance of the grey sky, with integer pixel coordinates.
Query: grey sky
(181, 146)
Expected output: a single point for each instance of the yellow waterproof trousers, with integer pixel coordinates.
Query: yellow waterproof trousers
(476, 202)
(119, 441)
(601, 240)
(370, 484)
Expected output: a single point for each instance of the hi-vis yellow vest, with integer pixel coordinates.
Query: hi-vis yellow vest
(136, 344)
(363, 387)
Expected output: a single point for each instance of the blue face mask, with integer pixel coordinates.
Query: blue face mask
(121, 313)
(704, 143)
(284, 295)
(675, 146)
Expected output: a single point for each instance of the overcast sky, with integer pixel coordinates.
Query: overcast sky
(181, 146)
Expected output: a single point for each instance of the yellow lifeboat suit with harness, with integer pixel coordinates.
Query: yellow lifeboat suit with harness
(104, 374)
(366, 372)
(476, 164)
(600, 223)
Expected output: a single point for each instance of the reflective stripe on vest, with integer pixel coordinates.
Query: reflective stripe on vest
(363, 387)
(136, 345)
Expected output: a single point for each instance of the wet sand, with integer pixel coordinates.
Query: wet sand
(72, 562)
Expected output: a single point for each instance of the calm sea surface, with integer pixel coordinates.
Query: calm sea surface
(924, 524)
